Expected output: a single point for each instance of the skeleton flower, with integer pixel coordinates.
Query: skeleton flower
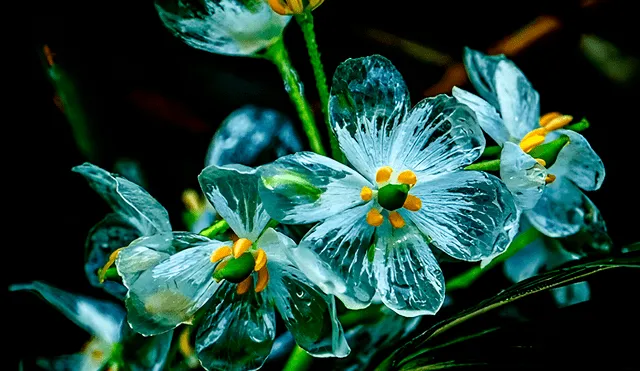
(405, 193)
(550, 196)
(236, 284)
(229, 27)
(112, 341)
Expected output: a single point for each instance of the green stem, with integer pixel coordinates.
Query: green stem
(489, 165)
(579, 126)
(491, 151)
(465, 279)
(299, 360)
(215, 229)
(305, 21)
(277, 53)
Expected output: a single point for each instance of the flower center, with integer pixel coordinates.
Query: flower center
(236, 264)
(393, 196)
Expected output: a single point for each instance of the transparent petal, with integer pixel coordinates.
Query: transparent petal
(519, 102)
(172, 292)
(229, 27)
(469, 215)
(308, 313)
(306, 187)
(128, 199)
(410, 281)
(574, 293)
(438, 135)
(233, 192)
(252, 136)
(368, 99)
(523, 175)
(334, 255)
(578, 162)
(488, 118)
(151, 352)
(527, 262)
(237, 331)
(561, 211)
(482, 70)
(277, 246)
(100, 318)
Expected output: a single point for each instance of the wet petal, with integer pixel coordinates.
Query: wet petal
(482, 70)
(523, 175)
(488, 118)
(100, 318)
(334, 255)
(519, 102)
(438, 135)
(469, 215)
(233, 192)
(306, 187)
(229, 27)
(527, 262)
(237, 331)
(252, 136)
(151, 352)
(368, 99)
(578, 162)
(409, 278)
(128, 199)
(171, 292)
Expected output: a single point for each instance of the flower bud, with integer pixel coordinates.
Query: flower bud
(288, 7)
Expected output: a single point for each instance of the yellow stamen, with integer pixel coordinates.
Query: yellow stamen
(412, 203)
(102, 272)
(366, 193)
(550, 178)
(245, 285)
(192, 201)
(384, 174)
(535, 132)
(184, 345)
(218, 267)
(532, 142)
(261, 259)
(374, 218)
(263, 279)
(407, 177)
(544, 120)
(220, 254)
(396, 219)
(558, 122)
(541, 162)
(241, 246)
(97, 355)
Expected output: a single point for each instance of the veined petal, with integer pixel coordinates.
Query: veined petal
(410, 281)
(252, 136)
(470, 215)
(229, 27)
(519, 102)
(523, 175)
(334, 255)
(173, 291)
(578, 162)
(306, 187)
(237, 331)
(368, 99)
(151, 354)
(277, 246)
(233, 192)
(128, 199)
(488, 118)
(481, 69)
(438, 135)
(101, 319)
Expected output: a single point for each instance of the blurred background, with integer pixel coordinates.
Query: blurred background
(150, 99)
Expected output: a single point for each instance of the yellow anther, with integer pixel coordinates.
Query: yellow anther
(184, 345)
(407, 177)
(288, 7)
(220, 254)
(366, 193)
(534, 133)
(550, 178)
(192, 201)
(541, 162)
(97, 355)
(374, 218)
(245, 285)
(532, 142)
(102, 272)
(396, 219)
(241, 246)
(544, 120)
(412, 203)
(219, 267)
(384, 174)
(261, 259)
(263, 279)
(558, 122)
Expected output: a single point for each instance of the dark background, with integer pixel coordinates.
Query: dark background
(153, 99)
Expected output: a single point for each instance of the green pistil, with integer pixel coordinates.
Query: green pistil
(393, 196)
(237, 269)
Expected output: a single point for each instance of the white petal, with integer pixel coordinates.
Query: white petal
(482, 70)
(409, 278)
(519, 102)
(368, 99)
(306, 187)
(578, 162)
(523, 175)
(469, 215)
(527, 262)
(488, 118)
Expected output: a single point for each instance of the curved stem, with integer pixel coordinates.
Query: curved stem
(299, 360)
(215, 229)
(277, 53)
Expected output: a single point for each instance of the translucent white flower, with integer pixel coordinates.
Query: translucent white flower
(405, 193)
(549, 194)
(228, 289)
(230, 27)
